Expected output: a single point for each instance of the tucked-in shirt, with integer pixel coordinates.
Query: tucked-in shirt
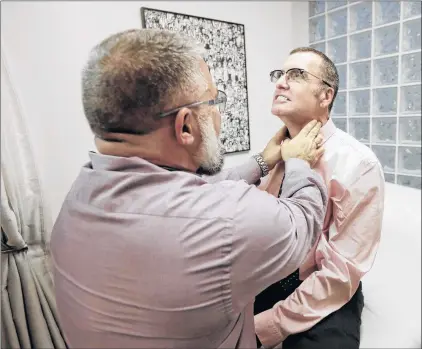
(149, 258)
(347, 246)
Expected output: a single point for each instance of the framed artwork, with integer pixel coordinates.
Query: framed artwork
(224, 43)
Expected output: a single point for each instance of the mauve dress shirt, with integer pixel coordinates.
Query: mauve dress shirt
(149, 258)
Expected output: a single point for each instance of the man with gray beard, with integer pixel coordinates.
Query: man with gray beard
(155, 246)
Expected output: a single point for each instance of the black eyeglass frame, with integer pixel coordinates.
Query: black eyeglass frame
(272, 73)
(220, 101)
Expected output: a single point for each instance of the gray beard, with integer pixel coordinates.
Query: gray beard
(213, 168)
(211, 152)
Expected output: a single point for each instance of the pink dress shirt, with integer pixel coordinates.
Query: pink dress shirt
(346, 249)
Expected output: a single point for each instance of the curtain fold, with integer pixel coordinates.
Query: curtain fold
(29, 317)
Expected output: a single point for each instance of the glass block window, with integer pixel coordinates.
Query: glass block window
(376, 46)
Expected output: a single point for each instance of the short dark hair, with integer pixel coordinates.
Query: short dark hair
(328, 70)
(132, 75)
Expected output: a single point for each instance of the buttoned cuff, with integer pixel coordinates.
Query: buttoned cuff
(266, 330)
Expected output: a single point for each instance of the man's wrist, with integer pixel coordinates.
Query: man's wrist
(262, 164)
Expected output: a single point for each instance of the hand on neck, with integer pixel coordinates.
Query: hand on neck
(158, 147)
(295, 127)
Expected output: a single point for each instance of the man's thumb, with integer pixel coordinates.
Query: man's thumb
(280, 135)
(286, 142)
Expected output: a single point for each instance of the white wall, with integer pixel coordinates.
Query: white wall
(46, 44)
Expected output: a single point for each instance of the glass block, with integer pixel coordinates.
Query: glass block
(385, 101)
(361, 16)
(386, 155)
(409, 160)
(339, 106)
(341, 124)
(342, 75)
(360, 74)
(388, 177)
(386, 71)
(316, 7)
(359, 102)
(408, 181)
(410, 99)
(317, 29)
(410, 130)
(386, 12)
(337, 23)
(412, 34)
(384, 130)
(334, 4)
(411, 8)
(411, 67)
(387, 40)
(337, 50)
(359, 128)
(360, 45)
(320, 47)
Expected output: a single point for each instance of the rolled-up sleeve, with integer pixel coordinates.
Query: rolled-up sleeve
(272, 236)
(343, 258)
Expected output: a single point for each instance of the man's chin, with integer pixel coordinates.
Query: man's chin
(279, 111)
(204, 172)
(211, 170)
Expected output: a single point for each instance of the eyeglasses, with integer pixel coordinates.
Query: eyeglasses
(220, 102)
(294, 74)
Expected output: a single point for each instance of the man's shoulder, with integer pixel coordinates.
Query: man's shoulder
(350, 147)
(350, 161)
(166, 194)
(225, 195)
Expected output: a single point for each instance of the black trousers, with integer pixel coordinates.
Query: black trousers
(339, 330)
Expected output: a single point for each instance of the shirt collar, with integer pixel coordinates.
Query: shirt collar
(133, 164)
(328, 130)
(116, 163)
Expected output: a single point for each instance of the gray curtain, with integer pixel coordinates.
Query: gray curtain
(28, 309)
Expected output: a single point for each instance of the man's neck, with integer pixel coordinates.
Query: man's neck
(160, 151)
(175, 162)
(294, 128)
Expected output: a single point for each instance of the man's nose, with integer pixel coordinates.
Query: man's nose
(282, 83)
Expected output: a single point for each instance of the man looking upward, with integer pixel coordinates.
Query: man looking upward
(320, 305)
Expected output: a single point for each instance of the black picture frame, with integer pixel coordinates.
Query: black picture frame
(225, 45)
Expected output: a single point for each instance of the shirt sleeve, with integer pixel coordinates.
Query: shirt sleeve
(250, 172)
(271, 236)
(342, 258)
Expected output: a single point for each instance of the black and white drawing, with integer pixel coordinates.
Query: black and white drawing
(226, 58)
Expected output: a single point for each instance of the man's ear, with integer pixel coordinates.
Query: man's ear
(184, 126)
(327, 96)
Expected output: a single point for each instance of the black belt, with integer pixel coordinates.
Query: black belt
(278, 291)
(291, 282)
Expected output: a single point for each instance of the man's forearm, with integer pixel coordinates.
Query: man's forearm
(283, 228)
